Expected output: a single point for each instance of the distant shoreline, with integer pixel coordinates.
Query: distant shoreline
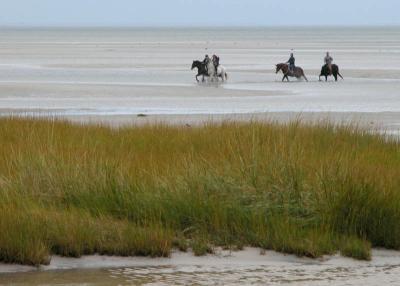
(374, 121)
(214, 27)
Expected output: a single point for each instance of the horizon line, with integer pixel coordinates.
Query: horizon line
(198, 26)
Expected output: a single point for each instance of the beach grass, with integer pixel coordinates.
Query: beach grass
(304, 189)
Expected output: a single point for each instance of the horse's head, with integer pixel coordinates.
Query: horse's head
(280, 67)
(196, 64)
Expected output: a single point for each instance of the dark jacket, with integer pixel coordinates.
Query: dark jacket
(291, 61)
(216, 62)
(206, 60)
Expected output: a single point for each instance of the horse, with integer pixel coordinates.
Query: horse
(326, 72)
(221, 73)
(297, 72)
(201, 69)
(209, 71)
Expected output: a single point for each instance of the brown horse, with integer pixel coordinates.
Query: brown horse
(326, 72)
(297, 72)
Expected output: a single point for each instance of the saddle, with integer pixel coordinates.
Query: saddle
(291, 70)
(329, 71)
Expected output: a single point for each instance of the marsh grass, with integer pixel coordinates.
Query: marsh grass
(308, 190)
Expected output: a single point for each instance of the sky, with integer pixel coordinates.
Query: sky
(198, 12)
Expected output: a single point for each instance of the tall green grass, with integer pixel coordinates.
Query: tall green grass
(309, 190)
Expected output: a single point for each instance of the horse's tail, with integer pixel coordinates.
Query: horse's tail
(337, 70)
(303, 74)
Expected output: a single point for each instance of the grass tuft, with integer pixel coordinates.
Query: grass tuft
(356, 248)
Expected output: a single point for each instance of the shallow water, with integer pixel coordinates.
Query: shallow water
(134, 71)
(243, 268)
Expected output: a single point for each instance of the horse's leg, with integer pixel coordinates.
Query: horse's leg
(197, 78)
(326, 78)
(305, 77)
(335, 76)
(319, 78)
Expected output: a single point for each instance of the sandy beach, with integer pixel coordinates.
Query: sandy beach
(147, 71)
(111, 76)
(382, 122)
(246, 267)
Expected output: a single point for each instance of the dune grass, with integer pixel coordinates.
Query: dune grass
(308, 190)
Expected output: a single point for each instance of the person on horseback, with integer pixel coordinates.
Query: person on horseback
(291, 62)
(215, 60)
(206, 61)
(328, 61)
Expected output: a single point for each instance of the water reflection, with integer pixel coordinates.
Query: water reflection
(293, 274)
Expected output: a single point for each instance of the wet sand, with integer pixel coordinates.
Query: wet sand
(147, 71)
(384, 122)
(247, 267)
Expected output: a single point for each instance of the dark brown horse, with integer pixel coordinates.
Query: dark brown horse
(297, 72)
(325, 71)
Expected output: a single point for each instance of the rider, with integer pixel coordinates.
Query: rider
(328, 61)
(291, 62)
(215, 60)
(206, 61)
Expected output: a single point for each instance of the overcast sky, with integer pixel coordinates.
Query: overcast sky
(198, 12)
